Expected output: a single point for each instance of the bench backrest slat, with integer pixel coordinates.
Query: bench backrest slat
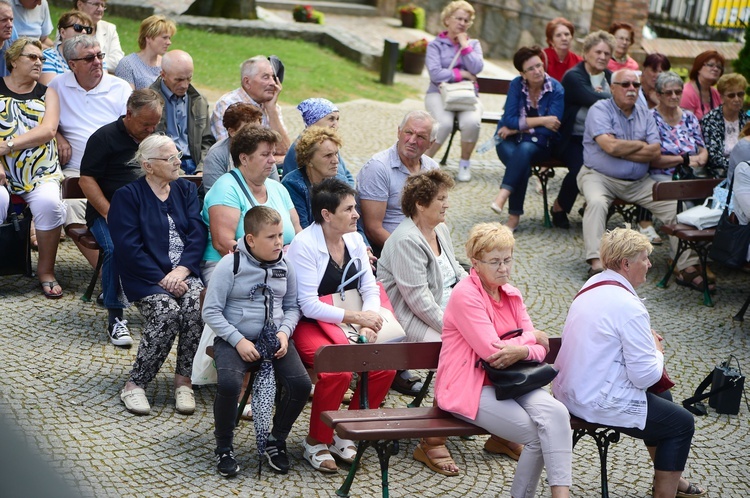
(554, 348)
(493, 85)
(369, 357)
(684, 189)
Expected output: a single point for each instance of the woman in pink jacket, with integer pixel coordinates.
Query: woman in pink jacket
(481, 309)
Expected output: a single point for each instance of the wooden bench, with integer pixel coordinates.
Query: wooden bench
(689, 237)
(382, 428)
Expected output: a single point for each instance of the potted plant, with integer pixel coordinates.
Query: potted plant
(305, 13)
(412, 16)
(413, 56)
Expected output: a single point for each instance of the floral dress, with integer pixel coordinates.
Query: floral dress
(676, 140)
(19, 113)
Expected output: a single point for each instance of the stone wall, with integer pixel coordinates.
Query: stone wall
(505, 25)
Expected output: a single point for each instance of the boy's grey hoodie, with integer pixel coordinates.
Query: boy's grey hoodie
(228, 309)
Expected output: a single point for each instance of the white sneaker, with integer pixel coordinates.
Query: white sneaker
(649, 232)
(119, 334)
(464, 174)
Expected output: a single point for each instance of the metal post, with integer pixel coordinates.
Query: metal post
(388, 62)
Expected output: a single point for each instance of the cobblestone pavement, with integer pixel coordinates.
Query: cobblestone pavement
(62, 376)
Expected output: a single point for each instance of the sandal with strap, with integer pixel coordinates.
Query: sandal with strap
(436, 464)
(691, 491)
(314, 454)
(687, 279)
(343, 449)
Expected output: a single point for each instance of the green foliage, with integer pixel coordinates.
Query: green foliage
(318, 17)
(742, 64)
(311, 70)
(419, 14)
(305, 13)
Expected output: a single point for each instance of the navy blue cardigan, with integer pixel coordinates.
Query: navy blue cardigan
(140, 232)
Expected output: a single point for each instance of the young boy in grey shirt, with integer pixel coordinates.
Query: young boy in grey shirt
(238, 320)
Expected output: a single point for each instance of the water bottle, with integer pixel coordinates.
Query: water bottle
(488, 144)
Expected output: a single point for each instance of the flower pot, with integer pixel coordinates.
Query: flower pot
(408, 19)
(413, 63)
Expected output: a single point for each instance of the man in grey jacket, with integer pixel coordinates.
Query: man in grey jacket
(238, 321)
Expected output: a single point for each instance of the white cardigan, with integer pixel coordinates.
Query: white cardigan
(309, 256)
(608, 357)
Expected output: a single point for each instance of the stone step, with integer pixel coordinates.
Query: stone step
(341, 7)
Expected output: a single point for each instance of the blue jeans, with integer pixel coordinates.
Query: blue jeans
(293, 388)
(669, 428)
(110, 277)
(188, 166)
(518, 158)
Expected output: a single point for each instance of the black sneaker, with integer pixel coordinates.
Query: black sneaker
(227, 465)
(559, 218)
(277, 457)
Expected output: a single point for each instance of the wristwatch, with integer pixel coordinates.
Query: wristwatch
(10, 144)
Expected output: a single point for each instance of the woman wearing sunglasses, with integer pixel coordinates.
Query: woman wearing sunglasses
(72, 23)
(29, 115)
(721, 126)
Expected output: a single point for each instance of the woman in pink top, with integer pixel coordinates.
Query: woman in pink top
(699, 96)
(482, 308)
(625, 38)
(560, 57)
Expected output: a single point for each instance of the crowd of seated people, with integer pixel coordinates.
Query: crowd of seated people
(618, 130)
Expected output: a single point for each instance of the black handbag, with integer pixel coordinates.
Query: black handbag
(731, 240)
(518, 379)
(15, 249)
(727, 386)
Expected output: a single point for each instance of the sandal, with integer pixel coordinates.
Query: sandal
(409, 387)
(435, 464)
(501, 447)
(687, 279)
(691, 491)
(314, 454)
(47, 289)
(343, 449)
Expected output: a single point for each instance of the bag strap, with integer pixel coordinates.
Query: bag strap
(236, 267)
(455, 59)
(236, 176)
(603, 282)
(346, 281)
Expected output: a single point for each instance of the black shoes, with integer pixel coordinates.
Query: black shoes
(559, 218)
(277, 457)
(227, 465)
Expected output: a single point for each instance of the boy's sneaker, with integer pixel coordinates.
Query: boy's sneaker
(277, 457)
(226, 464)
(119, 333)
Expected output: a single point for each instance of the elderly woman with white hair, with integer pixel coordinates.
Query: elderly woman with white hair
(159, 238)
(611, 358)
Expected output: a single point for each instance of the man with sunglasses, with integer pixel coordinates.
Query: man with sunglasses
(32, 18)
(89, 99)
(619, 142)
(185, 118)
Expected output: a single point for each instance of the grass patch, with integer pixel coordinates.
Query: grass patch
(311, 70)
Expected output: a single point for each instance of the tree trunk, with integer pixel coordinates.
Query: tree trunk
(235, 9)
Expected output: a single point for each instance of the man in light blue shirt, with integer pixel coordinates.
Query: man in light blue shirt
(32, 18)
(185, 117)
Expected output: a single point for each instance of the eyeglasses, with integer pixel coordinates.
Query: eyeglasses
(464, 20)
(497, 263)
(735, 95)
(714, 65)
(97, 5)
(625, 39)
(90, 58)
(670, 93)
(627, 84)
(533, 68)
(171, 159)
(34, 57)
(79, 28)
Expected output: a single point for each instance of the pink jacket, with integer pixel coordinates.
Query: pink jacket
(470, 327)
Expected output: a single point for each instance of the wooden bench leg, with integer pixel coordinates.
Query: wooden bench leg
(740, 316)
(86, 297)
(346, 486)
(603, 437)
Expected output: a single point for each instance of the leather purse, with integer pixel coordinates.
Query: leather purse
(391, 330)
(14, 242)
(731, 240)
(458, 96)
(519, 378)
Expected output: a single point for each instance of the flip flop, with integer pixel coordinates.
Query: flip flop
(51, 284)
(691, 492)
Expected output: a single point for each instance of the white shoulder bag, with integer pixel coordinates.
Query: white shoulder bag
(459, 96)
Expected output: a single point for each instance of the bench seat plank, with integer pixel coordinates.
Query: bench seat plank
(406, 429)
(333, 418)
